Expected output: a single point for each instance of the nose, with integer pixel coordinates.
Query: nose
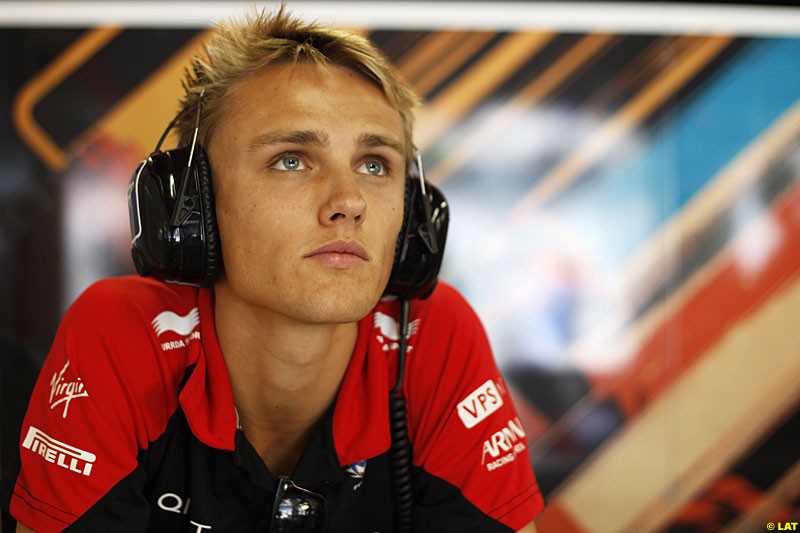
(344, 202)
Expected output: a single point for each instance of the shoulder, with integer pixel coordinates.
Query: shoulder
(125, 304)
(122, 319)
(446, 310)
(439, 320)
(108, 387)
(129, 294)
(126, 338)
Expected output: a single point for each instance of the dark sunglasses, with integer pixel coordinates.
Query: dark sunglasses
(297, 510)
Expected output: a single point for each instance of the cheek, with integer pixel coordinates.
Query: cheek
(229, 234)
(252, 219)
(397, 216)
(393, 231)
(235, 219)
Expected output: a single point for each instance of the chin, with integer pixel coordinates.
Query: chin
(342, 300)
(314, 299)
(341, 309)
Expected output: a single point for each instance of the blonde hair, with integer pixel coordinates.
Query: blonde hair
(262, 38)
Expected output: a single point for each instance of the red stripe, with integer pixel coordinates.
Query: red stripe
(707, 315)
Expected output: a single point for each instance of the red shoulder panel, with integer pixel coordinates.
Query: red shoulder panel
(107, 389)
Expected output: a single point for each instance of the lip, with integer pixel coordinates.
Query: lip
(340, 254)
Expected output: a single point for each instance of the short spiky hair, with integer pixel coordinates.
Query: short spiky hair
(239, 48)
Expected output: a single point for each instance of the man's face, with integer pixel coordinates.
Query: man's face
(309, 169)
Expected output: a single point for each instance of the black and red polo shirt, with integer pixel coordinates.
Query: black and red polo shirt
(132, 425)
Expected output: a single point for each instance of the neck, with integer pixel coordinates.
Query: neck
(284, 373)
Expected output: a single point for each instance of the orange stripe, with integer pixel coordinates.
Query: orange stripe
(460, 51)
(480, 80)
(426, 54)
(614, 130)
(569, 63)
(611, 131)
(62, 66)
(139, 119)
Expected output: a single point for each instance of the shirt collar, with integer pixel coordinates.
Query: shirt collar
(360, 422)
(207, 397)
(361, 417)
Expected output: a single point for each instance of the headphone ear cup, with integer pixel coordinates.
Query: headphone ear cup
(173, 220)
(136, 196)
(151, 201)
(213, 252)
(420, 244)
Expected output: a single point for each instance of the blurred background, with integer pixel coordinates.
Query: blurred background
(623, 181)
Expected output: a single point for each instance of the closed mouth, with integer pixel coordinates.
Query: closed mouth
(342, 247)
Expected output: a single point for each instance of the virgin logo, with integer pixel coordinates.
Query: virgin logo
(64, 390)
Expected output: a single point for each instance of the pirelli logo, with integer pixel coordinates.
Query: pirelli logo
(59, 453)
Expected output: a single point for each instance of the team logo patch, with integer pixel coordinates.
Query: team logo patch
(389, 331)
(504, 446)
(181, 325)
(356, 470)
(65, 388)
(480, 403)
(170, 321)
(59, 453)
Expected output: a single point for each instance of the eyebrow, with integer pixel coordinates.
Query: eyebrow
(373, 140)
(302, 137)
(320, 139)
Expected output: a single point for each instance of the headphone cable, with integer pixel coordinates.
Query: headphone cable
(400, 451)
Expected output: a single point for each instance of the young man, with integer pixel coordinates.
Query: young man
(261, 403)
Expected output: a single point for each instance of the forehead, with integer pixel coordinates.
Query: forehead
(309, 95)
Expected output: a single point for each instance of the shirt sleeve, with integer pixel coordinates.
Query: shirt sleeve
(465, 431)
(82, 431)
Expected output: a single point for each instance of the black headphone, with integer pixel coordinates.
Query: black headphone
(174, 228)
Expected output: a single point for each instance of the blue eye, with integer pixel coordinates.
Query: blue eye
(288, 162)
(376, 168)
